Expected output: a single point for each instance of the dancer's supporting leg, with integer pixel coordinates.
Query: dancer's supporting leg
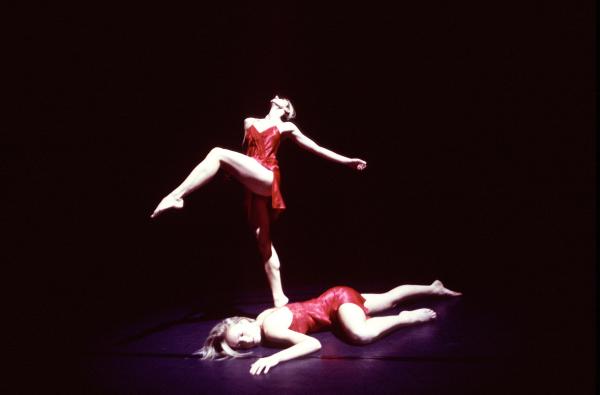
(248, 171)
(365, 330)
(267, 250)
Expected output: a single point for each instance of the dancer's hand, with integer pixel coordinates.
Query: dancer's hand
(263, 365)
(357, 164)
(168, 202)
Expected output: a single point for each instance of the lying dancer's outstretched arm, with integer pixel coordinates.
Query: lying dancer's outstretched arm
(315, 148)
(303, 345)
(275, 330)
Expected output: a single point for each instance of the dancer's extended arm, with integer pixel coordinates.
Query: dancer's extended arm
(315, 148)
(302, 345)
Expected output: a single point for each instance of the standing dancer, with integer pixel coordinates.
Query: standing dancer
(258, 171)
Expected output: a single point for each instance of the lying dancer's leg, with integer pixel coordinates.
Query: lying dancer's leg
(363, 330)
(376, 303)
(245, 169)
(267, 250)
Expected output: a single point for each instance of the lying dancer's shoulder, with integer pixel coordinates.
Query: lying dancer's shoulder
(277, 318)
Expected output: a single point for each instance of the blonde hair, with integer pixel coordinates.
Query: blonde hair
(216, 347)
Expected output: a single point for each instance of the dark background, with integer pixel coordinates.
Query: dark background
(477, 122)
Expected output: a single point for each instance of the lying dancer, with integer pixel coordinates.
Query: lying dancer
(288, 325)
(258, 171)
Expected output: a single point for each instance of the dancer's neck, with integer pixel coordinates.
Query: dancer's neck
(273, 118)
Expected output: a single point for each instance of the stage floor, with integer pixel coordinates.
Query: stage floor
(477, 345)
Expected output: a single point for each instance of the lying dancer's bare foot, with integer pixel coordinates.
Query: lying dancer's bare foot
(419, 315)
(168, 202)
(280, 301)
(439, 289)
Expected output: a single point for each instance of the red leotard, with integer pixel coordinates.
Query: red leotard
(319, 313)
(263, 146)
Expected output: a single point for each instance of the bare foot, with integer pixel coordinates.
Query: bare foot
(168, 202)
(280, 301)
(439, 289)
(419, 315)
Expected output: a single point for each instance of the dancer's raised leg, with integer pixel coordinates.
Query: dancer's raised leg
(245, 169)
(379, 302)
(363, 330)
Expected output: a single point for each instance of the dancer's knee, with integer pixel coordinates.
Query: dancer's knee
(270, 260)
(361, 335)
(264, 244)
(216, 153)
(266, 254)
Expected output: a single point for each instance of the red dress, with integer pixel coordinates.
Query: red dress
(263, 146)
(316, 314)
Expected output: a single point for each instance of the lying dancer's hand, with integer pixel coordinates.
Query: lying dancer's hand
(264, 364)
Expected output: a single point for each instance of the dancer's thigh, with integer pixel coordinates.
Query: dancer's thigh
(248, 171)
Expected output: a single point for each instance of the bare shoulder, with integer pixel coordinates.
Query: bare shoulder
(277, 319)
(288, 127)
(265, 313)
(248, 122)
